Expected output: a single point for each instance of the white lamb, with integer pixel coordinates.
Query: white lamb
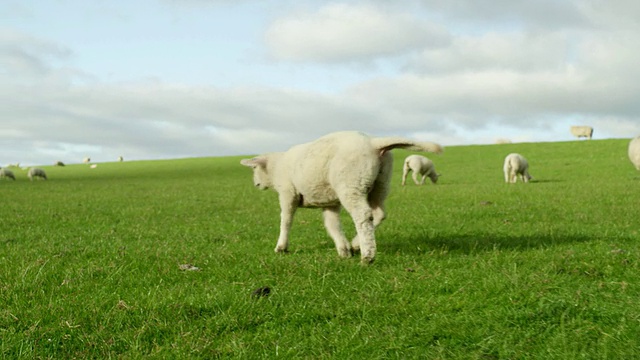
(35, 173)
(347, 169)
(582, 131)
(514, 165)
(86, 160)
(420, 165)
(634, 152)
(6, 173)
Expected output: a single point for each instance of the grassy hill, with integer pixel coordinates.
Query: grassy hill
(471, 268)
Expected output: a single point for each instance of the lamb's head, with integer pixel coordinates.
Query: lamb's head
(261, 178)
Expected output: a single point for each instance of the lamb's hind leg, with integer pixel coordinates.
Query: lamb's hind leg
(375, 201)
(362, 216)
(332, 224)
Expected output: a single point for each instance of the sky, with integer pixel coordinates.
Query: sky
(163, 79)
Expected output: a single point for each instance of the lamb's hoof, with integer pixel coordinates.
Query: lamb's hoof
(281, 251)
(365, 261)
(345, 253)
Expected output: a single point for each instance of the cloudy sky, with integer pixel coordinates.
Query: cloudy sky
(156, 79)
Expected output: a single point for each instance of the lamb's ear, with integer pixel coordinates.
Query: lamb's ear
(256, 161)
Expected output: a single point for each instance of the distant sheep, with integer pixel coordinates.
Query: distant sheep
(634, 152)
(35, 173)
(419, 165)
(120, 158)
(582, 131)
(58, 163)
(503, 141)
(514, 165)
(16, 165)
(347, 169)
(6, 173)
(86, 160)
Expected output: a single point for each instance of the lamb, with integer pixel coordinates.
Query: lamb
(514, 165)
(6, 173)
(344, 169)
(86, 160)
(634, 152)
(419, 165)
(36, 172)
(120, 159)
(582, 131)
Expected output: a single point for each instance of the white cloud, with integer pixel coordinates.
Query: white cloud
(344, 32)
(449, 71)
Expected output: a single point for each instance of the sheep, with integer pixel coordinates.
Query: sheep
(86, 160)
(344, 169)
(582, 131)
(419, 165)
(514, 165)
(503, 141)
(6, 173)
(36, 172)
(58, 163)
(120, 159)
(634, 152)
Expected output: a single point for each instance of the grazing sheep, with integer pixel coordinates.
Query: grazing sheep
(634, 152)
(347, 169)
(503, 141)
(86, 160)
(420, 165)
(36, 172)
(17, 165)
(120, 158)
(6, 173)
(514, 165)
(58, 163)
(582, 131)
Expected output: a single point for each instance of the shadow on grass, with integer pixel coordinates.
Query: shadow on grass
(468, 244)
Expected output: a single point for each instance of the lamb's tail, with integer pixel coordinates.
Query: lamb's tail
(384, 144)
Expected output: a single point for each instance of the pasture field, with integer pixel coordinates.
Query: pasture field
(471, 268)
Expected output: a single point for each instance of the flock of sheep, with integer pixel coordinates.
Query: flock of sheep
(32, 173)
(352, 170)
(37, 173)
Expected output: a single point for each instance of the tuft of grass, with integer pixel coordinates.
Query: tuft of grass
(471, 268)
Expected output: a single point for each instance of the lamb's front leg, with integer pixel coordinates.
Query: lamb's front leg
(288, 207)
(332, 224)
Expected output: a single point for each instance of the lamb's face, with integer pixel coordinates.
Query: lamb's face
(260, 176)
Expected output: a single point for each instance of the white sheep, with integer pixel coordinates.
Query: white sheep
(514, 165)
(634, 152)
(6, 173)
(86, 160)
(420, 165)
(120, 159)
(582, 131)
(36, 172)
(347, 169)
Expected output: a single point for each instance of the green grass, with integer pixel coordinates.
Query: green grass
(471, 268)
